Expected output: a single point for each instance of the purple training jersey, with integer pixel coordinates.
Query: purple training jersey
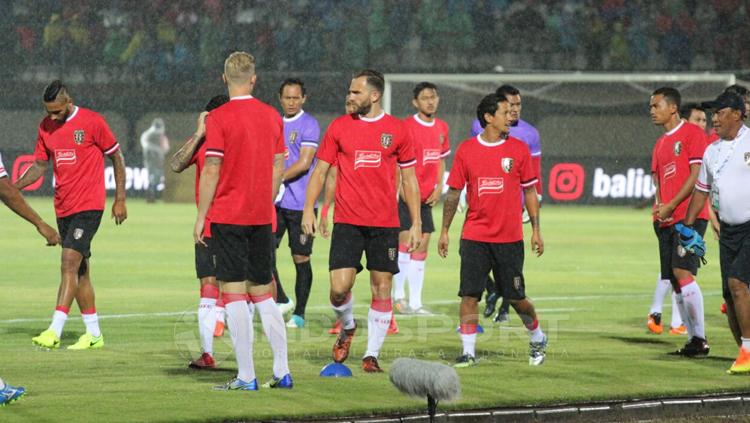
(300, 131)
(522, 130)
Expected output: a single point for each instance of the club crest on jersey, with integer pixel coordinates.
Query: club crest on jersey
(77, 233)
(677, 148)
(490, 186)
(507, 164)
(78, 136)
(293, 137)
(747, 158)
(386, 140)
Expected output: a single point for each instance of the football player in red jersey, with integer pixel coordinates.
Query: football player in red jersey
(76, 139)
(495, 169)
(367, 146)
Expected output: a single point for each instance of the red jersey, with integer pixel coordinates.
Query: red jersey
(246, 133)
(494, 176)
(366, 152)
(77, 146)
(431, 144)
(713, 136)
(674, 153)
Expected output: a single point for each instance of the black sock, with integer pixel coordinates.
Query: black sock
(302, 286)
(504, 307)
(281, 297)
(490, 286)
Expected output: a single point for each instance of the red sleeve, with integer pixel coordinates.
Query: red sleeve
(446, 147)
(457, 176)
(406, 155)
(214, 137)
(536, 164)
(527, 170)
(328, 149)
(654, 165)
(104, 138)
(280, 147)
(697, 144)
(40, 151)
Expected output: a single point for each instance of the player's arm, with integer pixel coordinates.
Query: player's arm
(317, 179)
(278, 172)
(11, 196)
(182, 158)
(207, 189)
(410, 188)
(532, 206)
(449, 211)
(302, 165)
(119, 211)
(697, 201)
(665, 210)
(328, 197)
(435, 196)
(32, 174)
(714, 220)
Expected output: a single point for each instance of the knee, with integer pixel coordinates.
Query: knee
(70, 263)
(737, 287)
(299, 259)
(338, 297)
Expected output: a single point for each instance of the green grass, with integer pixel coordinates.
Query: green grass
(592, 289)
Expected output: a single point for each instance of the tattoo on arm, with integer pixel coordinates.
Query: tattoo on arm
(181, 159)
(534, 221)
(450, 207)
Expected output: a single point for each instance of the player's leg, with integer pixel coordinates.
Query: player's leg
(727, 256)
(87, 304)
(209, 295)
(492, 296)
(663, 281)
(283, 301)
(404, 260)
(418, 260)
(476, 262)
(301, 247)
(685, 269)
(230, 245)
(736, 267)
(344, 262)
(676, 327)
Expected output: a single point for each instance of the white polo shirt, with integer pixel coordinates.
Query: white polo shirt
(3, 173)
(725, 174)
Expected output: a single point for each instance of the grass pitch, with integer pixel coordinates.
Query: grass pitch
(592, 289)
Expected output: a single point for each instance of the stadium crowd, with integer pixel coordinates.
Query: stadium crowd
(161, 40)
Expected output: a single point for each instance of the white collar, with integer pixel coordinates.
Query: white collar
(487, 144)
(676, 128)
(72, 115)
(423, 123)
(375, 119)
(295, 117)
(242, 97)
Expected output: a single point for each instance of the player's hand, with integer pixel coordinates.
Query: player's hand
(323, 227)
(200, 128)
(434, 197)
(537, 243)
(51, 235)
(198, 231)
(443, 244)
(664, 212)
(415, 236)
(119, 211)
(309, 226)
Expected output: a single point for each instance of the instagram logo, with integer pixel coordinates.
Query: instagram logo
(20, 166)
(566, 181)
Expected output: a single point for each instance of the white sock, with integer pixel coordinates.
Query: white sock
(207, 323)
(58, 322)
(686, 319)
(745, 345)
(378, 322)
(676, 316)
(662, 287)
(399, 279)
(275, 330)
(416, 281)
(241, 327)
(469, 342)
(344, 313)
(220, 314)
(2, 384)
(536, 335)
(92, 324)
(693, 297)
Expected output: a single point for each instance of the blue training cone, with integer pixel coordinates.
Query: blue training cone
(335, 369)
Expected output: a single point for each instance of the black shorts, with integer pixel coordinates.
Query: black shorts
(734, 255)
(242, 252)
(428, 226)
(671, 253)
(380, 246)
(505, 260)
(78, 230)
(291, 221)
(205, 262)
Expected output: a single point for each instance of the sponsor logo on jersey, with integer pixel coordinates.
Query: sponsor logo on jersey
(78, 136)
(670, 169)
(507, 164)
(293, 137)
(490, 186)
(364, 158)
(65, 157)
(677, 148)
(430, 156)
(386, 140)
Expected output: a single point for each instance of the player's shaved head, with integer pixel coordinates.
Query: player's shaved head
(56, 90)
(57, 101)
(239, 68)
(375, 79)
(671, 96)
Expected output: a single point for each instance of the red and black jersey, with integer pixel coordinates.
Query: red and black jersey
(77, 148)
(673, 154)
(494, 175)
(246, 133)
(367, 153)
(431, 144)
